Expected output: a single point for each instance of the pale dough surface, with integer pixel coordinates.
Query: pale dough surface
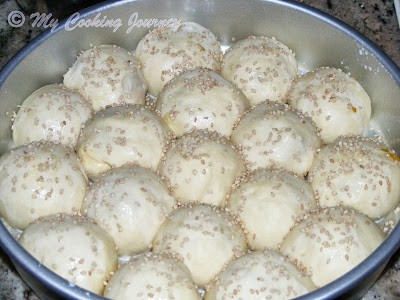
(40, 179)
(273, 135)
(357, 172)
(329, 242)
(130, 203)
(52, 113)
(73, 247)
(106, 75)
(335, 101)
(167, 51)
(268, 201)
(128, 134)
(152, 276)
(263, 68)
(260, 275)
(204, 237)
(201, 99)
(201, 166)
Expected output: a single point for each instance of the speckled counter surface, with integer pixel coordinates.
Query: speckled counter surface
(374, 18)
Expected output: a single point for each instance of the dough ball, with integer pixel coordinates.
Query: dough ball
(152, 276)
(201, 166)
(263, 68)
(120, 135)
(40, 179)
(204, 237)
(52, 113)
(357, 172)
(130, 203)
(167, 51)
(73, 247)
(107, 75)
(268, 201)
(336, 102)
(201, 99)
(272, 134)
(260, 275)
(329, 242)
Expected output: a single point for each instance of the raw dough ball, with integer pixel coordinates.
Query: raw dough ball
(40, 179)
(120, 135)
(260, 275)
(204, 237)
(73, 247)
(357, 172)
(52, 113)
(268, 201)
(263, 68)
(201, 99)
(152, 276)
(107, 75)
(167, 51)
(201, 166)
(329, 242)
(336, 102)
(130, 203)
(272, 134)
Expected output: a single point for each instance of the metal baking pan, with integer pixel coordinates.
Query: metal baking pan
(317, 39)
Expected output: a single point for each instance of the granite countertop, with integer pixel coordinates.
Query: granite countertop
(374, 18)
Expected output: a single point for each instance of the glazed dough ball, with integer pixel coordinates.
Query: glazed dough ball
(167, 51)
(201, 99)
(152, 276)
(263, 68)
(73, 247)
(260, 275)
(336, 102)
(52, 113)
(107, 75)
(268, 201)
(329, 242)
(272, 134)
(120, 135)
(204, 237)
(201, 166)
(130, 203)
(40, 179)
(357, 172)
